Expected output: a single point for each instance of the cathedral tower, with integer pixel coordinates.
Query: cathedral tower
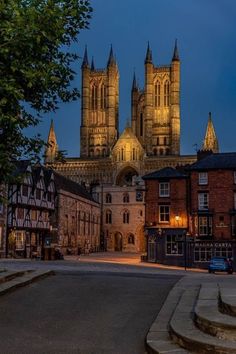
(52, 147)
(99, 108)
(156, 110)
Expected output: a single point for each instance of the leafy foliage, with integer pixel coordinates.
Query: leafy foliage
(35, 69)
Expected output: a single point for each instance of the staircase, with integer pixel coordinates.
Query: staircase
(11, 280)
(200, 318)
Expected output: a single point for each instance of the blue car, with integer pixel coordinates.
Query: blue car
(220, 264)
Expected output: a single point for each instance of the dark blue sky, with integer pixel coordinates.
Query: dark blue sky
(206, 33)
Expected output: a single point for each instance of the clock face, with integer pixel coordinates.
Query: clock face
(139, 196)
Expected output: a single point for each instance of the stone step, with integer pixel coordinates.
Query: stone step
(184, 332)
(25, 279)
(11, 274)
(227, 299)
(158, 339)
(208, 317)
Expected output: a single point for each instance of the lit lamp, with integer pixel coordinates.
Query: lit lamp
(177, 219)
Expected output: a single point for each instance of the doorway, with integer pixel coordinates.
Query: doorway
(118, 242)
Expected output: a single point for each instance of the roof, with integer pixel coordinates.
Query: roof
(216, 161)
(167, 172)
(68, 185)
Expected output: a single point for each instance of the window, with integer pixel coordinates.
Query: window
(164, 189)
(205, 226)
(166, 93)
(164, 213)
(1, 208)
(108, 198)
(126, 217)
(25, 190)
(202, 178)
(202, 253)
(233, 225)
(203, 201)
(103, 97)
(19, 237)
(157, 96)
(38, 194)
(1, 237)
(49, 196)
(33, 215)
(108, 217)
(139, 196)
(94, 97)
(131, 239)
(125, 198)
(20, 213)
(173, 247)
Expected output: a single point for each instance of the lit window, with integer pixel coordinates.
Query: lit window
(203, 201)
(126, 217)
(108, 217)
(20, 213)
(205, 226)
(167, 93)
(33, 215)
(164, 213)
(202, 178)
(164, 189)
(19, 240)
(157, 94)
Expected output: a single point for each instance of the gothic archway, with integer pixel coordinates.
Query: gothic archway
(125, 176)
(118, 242)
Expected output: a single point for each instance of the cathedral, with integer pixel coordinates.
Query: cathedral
(116, 162)
(151, 142)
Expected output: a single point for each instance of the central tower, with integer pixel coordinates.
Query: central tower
(99, 108)
(156, 109)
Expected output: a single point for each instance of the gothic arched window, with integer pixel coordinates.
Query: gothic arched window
(157, 94)
(94, 97)
(166, 93)
(126, 198)
(154, 152)
(103, 97)
(126, 217)
(108, 198)
(108, 217)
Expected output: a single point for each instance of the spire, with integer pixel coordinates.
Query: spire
(111, 59)
(176, 52)
(92, 65)
(85, 63)
(52, 147)
(148, 58)
(210, 141)
(134, 85)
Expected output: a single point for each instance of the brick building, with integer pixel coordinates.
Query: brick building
(191, 217)
(3, 220)
(166, 216)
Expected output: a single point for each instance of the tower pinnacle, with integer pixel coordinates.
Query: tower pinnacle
(210, 142)
(134, 85)
(111, 59)
(176, 52)
(92, 65)
(85, 63)
(148, 58)
(52, 147)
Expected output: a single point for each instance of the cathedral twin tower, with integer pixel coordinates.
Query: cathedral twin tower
(155, 111)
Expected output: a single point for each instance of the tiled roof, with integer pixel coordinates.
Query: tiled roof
(68, 185)
(216, 161)
(167, 172)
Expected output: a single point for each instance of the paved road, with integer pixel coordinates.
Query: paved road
(83, 312)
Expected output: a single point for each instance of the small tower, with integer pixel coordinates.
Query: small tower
(52, 147)
(148, 118)
(134, 104)
(175, 102)
(210, 142)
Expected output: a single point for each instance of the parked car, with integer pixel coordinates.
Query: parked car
(220, 264)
